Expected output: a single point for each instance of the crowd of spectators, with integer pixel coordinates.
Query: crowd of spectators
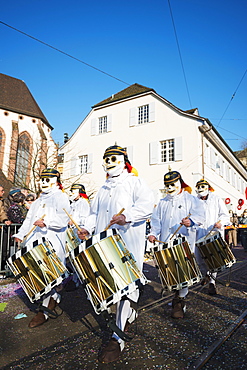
(13, 210)
(237, 232)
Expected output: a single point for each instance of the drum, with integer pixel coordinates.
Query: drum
(72, 241)
(215, 252)
(176, 264)
(37, 268)
(107, 269)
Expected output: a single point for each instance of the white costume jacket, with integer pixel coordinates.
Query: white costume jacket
(215, 210)
(129, 192)
(51, 204)
(169, 213)
(80, 210)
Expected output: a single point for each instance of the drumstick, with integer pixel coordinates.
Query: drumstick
(211, 230)
(179, 227)
(76, 225)
(118, 214)
(34, 226)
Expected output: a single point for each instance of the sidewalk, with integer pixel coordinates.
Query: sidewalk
(72, 341)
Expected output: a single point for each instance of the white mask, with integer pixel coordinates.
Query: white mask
(47, 184)
(202, 190)
(114, 165)
(173, 189)
(74, 194)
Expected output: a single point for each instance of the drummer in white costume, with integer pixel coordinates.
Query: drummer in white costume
(79, 206)
(79, 211)
(122, 189)
(217, 217)
(53, 227)
(179, 207)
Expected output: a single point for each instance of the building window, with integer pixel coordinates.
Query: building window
(83, 164)
(22, 159)
(2, 145)
(143, 114)
(167, 150)
(102, 125)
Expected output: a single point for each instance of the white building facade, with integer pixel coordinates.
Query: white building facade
(158, 137)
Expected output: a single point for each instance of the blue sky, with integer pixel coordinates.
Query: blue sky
(135, 42)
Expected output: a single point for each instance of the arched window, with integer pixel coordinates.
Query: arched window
(22, 168)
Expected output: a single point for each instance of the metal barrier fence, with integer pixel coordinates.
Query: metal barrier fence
(7, 244)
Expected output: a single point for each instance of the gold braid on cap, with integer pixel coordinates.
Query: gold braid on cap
(204, 182)
(115, 150)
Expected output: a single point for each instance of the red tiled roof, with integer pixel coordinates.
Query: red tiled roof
(16, 97)
(130, 91)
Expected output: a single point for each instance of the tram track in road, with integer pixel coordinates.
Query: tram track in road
(219, 344)
(216, 351)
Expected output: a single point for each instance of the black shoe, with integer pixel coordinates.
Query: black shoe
(211, 289)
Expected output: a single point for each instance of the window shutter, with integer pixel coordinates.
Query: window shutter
(93, 126)
(212, 158)
(109, 122)
(220, 162)
(227, 173)
(73, 166)
(153, 152)
(90, 163)
(132, 117)
(130, 153)
(152, 112)
(178, 148)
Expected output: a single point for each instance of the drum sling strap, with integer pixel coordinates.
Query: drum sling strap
(111, 322)
(52, 314)
(220, 281)
(112, 325)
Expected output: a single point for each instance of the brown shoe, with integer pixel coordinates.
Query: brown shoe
(37, 320)
(111, 352)
(52, 304)
(178, 308)
(211, 289)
